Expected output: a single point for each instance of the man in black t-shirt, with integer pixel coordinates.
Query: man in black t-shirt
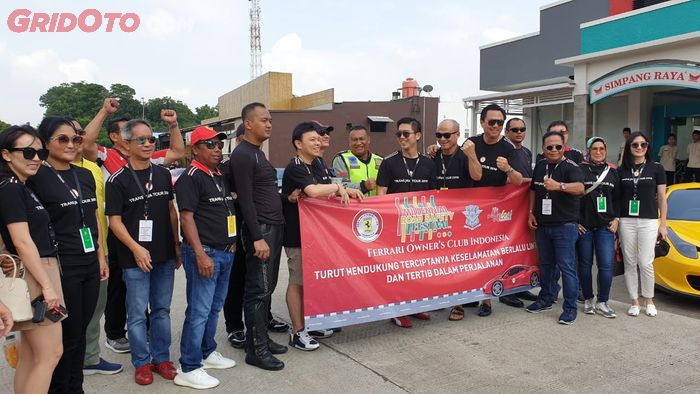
(495, 154)
(556, 186)
(407, 171)
(299, 175)
(139, 203)
(456, 168)
(208, 221)
(522, 156)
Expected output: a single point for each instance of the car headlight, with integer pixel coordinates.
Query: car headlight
(684, 248)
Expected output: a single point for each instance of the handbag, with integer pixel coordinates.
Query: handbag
(14, 293)
(662, 247)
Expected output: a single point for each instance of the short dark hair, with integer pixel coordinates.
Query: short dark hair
(552, 133)
(8, 140)
(415, 124)
(513, 120)
(358, 127)
(113, 125)
(301, 129)
(51, 123)
(627, 129)
(627, 158)
(696, 131)
(249, 108)
(558, 123)
(492, 107)
(672, 135)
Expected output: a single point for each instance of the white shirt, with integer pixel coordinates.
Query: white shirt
(694, 155)
(668, 155)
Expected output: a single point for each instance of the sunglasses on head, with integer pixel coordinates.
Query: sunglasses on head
(494, 122)
(211, 144)
(554, 147)
(639, 145)
(142, 140)
(30, 153)
(517, 130)
(64, 139)
(404, 134)
(446, 136)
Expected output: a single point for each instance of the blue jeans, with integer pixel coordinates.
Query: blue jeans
(603, 241)
(557, 248)
(205, 298)
(154, 289)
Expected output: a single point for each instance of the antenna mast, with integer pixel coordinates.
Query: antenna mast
(255, 50)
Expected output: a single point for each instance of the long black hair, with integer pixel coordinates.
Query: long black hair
(627, 158)
(8, 140)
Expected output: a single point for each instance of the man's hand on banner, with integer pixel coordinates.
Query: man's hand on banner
(294, 196)
(354, 193)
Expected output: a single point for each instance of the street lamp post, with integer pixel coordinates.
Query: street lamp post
(143, 108)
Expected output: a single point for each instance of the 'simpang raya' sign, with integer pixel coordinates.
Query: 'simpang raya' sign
(650, 75)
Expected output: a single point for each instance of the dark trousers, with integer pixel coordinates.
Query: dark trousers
(260, 283)
(670, 178)
(115, 310)
(81, 287)
(692, 173)
(233, 308)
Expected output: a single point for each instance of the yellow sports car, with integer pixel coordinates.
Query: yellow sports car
(679, 270)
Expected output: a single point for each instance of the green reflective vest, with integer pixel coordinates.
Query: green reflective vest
(359, 171)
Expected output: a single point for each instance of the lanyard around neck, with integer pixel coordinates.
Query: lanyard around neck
(149, 186)
(76, 193)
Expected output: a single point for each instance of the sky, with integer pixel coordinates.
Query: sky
(196, 51)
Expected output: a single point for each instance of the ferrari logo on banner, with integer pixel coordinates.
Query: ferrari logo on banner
(400, 254)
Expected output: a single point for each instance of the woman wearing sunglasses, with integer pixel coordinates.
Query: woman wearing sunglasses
(26, 231)
(597, 226)
(642, 217)
(68, 193)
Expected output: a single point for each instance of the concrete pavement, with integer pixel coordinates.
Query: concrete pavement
(510, 351)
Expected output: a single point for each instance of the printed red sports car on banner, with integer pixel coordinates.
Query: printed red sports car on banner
(516, 276)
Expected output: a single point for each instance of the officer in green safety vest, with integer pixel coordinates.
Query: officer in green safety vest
(358, 166)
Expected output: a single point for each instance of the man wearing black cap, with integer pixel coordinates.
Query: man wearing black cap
(208, 220)
(255, 181)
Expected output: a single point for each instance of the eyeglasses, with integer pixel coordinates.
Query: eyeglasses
(446, 136)
(64, 139)
(639, 145)
(143, 140)
(517, 130)
(323, 133)
(212, 144)
(30, 153)
(404, 134)
(494, 122)
(554, 147)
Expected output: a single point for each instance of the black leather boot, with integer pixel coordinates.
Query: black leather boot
(276, 348)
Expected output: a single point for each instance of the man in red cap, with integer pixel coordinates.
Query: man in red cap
(208, 222)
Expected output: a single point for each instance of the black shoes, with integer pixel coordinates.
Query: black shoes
(511, 300)
(527, 296)
(275, 325)
(484, 310)
(265, 361)
(276, 348)
(237, 339)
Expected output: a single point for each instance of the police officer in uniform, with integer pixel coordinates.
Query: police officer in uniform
(358, 166)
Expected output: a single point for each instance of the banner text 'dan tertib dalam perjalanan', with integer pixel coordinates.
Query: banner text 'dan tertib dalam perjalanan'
(406, 253)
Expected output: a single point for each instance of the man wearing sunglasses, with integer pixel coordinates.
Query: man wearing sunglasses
(407, 171)
(359, 166)
(570, 153)
(456, 168)
(144, 220)
(495, 154)
(557, 183)
(208, 221)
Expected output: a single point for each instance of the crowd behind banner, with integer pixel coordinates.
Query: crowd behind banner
(101, 231)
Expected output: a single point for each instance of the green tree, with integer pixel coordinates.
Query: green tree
(206, 112)
(129, 106)
(4, 125)
(185, 116)
(77, 99)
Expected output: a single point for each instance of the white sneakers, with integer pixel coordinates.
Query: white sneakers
(650, 310)
(217, 361)
(633, 311)
(199, 378)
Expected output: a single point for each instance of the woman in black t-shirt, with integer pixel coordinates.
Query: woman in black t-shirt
(25, 230)
(642, 217)
(597, 225)
(68, 193)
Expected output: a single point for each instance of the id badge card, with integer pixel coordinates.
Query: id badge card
(145, 230)
(231, 221)
(602, 204)
(86, 238)
(634, 208)
(547, 206)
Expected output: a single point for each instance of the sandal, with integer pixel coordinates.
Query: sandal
(457, 313)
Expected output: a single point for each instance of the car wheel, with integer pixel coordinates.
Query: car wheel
(534, 279)
(497, 288)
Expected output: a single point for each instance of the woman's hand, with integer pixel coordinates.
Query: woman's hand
(50, 297)
(613, 226)
(581, 230)
(663, 231)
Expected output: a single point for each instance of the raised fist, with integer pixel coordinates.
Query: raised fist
(469, 148)
(168, 116)
(502, 163)
(110, 105)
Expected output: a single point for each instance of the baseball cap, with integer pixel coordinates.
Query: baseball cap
(594, 139)
(203, 133)
(240, 130)
(320, 127)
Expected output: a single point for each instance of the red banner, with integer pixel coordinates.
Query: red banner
(405, 253)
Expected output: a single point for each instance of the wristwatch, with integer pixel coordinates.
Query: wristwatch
(562, 186)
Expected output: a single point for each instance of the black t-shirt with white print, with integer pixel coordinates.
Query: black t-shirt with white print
(651, 175)
(196, 191)
(487, 155)
(124, 198)
(321, 170)
(609, 188)
(565, 207)
(61, 201)
(396, 170)
(17, 205)
(297, 175)
(452, 170)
